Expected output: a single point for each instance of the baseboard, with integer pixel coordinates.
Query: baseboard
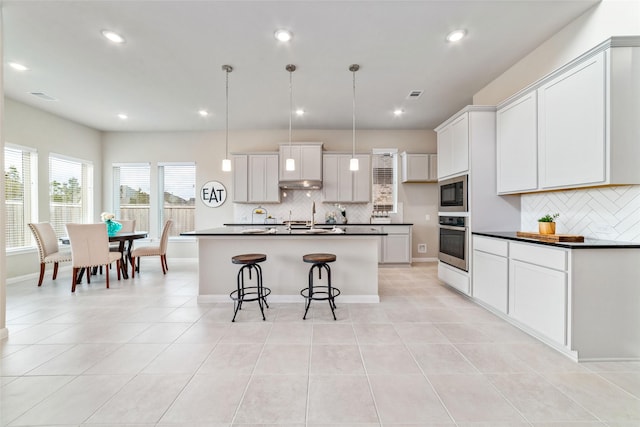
(431, 259)
(48, 274)
(347, 299)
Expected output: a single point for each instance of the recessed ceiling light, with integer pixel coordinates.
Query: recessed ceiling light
(17, 66)
(300, 112)
(283, 35)
(456, 35)
(123, 116)
(114, 37)
(398, 112)
(203, 113)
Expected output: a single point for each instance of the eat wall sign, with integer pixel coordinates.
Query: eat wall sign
(213, 194)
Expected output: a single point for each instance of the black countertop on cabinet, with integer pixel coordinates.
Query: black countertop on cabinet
(268, 230)
(587, 244)
(350, 224)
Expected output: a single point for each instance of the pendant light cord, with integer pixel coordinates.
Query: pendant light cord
(353, 152)
(290, 107)
(226, 137)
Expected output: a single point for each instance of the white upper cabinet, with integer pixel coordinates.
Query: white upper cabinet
(583, 121)
(419, 167)
(571, 123)
(517, 145)
(308, 160)
(255, 178)
(453, 147)
(343, 185)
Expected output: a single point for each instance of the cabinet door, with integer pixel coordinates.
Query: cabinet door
(263, 178)
(517, 145)
(433, 167)
(460, 144)
(362, 180)
(571, 114)
(330, 165)
(240, 178)
(396, 248)
(445, 152)
(345, 179)
(415, 167)
(311, 162)
(491, 279)
(538, 298)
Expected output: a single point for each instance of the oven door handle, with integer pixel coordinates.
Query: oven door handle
(451, 227)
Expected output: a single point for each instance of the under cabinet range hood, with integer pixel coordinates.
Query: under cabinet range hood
(305, 184)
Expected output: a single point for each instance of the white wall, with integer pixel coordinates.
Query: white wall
(207, 150)
(605, 213)
(47, 133)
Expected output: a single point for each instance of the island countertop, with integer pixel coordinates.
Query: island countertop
(269, 230)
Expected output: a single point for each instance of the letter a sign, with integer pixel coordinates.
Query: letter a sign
(213, 194)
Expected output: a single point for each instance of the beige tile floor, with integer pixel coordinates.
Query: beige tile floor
(145, 353)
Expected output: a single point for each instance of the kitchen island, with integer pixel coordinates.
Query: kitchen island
(355, 271)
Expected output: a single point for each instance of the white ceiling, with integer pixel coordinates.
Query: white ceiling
(170, 65)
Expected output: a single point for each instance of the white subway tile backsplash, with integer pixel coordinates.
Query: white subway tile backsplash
(611, 213)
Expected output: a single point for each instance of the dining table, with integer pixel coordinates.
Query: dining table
(125, 243)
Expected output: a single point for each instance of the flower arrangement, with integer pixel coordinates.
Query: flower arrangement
(549, 218)
(107, 216)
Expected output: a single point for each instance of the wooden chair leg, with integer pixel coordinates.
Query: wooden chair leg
(74, 278)
(88, 271)
(133, 267)
(119, 268)
(55, 270)
(166, 266)
(41, 274)
(107, 269)
(164, 271)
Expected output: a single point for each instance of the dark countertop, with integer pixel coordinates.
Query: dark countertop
(588, 243)
(280, 231)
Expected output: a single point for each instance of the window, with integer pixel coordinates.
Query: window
(70, 192)
(385, 182)
(177, 185)
(132, 187)
(20, 170)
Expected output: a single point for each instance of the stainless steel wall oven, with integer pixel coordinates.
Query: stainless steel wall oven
(454, 241)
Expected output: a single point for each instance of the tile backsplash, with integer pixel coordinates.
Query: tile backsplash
(610, 213)
(300, 202)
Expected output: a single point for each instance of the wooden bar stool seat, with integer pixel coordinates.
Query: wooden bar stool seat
(326, 292)
(249, 262)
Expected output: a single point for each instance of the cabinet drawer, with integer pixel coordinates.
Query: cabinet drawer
(544, 256)
(492, 246)
(396, 229)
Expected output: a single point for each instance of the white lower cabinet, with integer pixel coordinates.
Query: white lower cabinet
(395, 247)
(580, 300)
(538, 299)
(491, 271)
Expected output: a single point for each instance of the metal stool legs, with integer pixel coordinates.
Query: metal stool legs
(249, 293)
(315, 294)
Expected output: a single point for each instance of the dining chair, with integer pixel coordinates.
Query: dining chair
(90, 248)
(48, 248)
(157, 250)
(128, 226)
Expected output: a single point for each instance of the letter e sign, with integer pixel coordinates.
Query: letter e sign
(213, 194)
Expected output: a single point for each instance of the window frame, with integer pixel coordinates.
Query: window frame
(86, 185)
(30, 204)
(394, 155)
(116, 182)
(160, 193)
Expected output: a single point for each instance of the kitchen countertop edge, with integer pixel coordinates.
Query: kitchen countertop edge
(236, 232)
(355, 224)
(587, 244)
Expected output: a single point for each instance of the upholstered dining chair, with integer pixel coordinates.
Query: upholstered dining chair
(158, 250)
(48, 248)
(90, 248)
(128, 226)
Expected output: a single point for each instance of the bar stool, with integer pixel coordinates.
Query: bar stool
(320, 261)
(249, 293)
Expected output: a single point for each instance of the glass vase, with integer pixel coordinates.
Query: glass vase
(112, 227)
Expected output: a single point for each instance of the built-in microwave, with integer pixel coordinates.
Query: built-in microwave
(453, 194)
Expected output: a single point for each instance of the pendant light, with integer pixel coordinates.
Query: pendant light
(226, 163)
(290, 163)
(353, 164)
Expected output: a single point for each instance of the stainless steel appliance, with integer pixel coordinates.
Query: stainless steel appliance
(454, 241)
(452, 194)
